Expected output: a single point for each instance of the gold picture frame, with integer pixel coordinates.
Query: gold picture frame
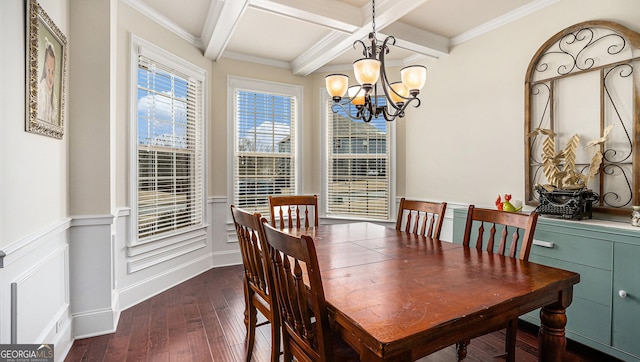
(46, 48)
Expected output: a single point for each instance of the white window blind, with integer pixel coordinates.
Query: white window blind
(264, 147)
(358, 169)
(170, 147)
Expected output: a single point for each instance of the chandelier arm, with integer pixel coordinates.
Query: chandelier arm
(389, 39)
(346, 111)
(364, 47)
(389, 117)
(386, 86)
(364, 113)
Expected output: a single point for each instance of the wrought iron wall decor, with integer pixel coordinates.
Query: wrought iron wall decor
(581, 81)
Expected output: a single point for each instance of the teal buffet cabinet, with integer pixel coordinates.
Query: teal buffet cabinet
(605, 312)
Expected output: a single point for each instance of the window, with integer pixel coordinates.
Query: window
(168, 165)
(264, 142)
(358, 166)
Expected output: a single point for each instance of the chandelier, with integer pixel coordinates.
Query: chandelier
(368, 71)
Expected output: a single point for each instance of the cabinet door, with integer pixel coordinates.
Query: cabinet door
(626, 307)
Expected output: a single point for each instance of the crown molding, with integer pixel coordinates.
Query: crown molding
(502, 20)
(164, 21)
(254, 59)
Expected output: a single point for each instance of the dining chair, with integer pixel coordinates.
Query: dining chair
(499, 232)
(414, 217)
(258, 282)
(306, 330)
(293, 208)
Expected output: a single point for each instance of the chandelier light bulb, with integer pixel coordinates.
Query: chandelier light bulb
(367, 71)
(400, 94)
(337, 85)
(357, 95)
(414, 77)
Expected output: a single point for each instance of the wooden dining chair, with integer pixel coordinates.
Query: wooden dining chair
(306, 332)
(499, 232)
(294, 209)
(258, 282)
(421, 217)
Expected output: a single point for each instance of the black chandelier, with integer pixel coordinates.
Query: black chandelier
(368, 70)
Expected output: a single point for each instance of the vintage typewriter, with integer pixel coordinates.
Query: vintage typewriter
(566, 204)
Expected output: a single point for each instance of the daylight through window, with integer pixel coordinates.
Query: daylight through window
(170, 176)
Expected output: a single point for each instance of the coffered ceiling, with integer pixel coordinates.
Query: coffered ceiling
(317, 35)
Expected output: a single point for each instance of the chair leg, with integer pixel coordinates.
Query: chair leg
(461, 349)
(275, 338)
(251, 328)
(512, 330)
(245, 286)
(288, 357)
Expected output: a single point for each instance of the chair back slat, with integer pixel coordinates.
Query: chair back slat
(509, 223)
(292, 210)
(303, 309)
(421, 217)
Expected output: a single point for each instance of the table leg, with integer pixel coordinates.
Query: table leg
(551, 340)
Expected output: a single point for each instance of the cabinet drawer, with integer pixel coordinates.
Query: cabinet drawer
(584, 250)
(595, 283)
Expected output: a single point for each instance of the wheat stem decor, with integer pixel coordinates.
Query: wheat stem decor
(560, 168)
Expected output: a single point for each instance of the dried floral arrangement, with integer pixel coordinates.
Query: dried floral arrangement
(560, 168)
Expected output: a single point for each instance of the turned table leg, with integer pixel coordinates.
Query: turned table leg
(551, 339)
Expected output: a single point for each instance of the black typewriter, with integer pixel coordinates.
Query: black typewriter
(566, 204)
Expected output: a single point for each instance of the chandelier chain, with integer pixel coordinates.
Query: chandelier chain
(373, 16)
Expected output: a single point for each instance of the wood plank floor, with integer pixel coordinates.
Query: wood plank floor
(202, 320)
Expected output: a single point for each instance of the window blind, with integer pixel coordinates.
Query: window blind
(264, 148)
(358, 155)
(170, 148)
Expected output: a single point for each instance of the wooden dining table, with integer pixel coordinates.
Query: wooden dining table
(395, 296)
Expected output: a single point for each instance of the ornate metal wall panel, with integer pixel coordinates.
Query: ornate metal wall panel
(580, 81)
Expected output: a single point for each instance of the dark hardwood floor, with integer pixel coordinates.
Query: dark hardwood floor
(202, 320)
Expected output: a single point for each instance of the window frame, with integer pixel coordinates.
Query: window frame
(151, 51)
(257, 85)
(325, 100)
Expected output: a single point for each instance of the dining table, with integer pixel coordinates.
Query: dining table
(397, 296)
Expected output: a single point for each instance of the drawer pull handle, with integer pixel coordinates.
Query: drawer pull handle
(545, 244)
(622, 294)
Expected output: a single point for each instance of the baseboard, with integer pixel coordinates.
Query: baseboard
(145, 289)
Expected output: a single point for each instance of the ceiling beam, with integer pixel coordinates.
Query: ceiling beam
(417, 40)
(221, 22)
(336, 43)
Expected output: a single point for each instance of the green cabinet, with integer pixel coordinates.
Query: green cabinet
(626, 298)
(607, 257)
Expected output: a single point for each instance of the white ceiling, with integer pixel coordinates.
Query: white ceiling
(317, 35)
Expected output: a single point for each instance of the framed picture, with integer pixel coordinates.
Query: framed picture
(46, 73)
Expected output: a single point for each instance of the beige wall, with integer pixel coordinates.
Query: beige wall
(33, 168)
(466, 143)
